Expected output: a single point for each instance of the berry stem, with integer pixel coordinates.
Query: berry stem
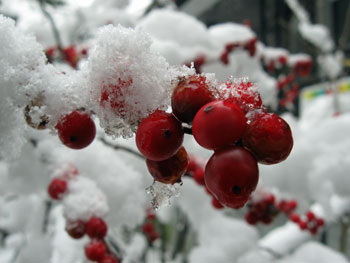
(187, 130)
(344, 227)
(53, 26)
(48, 206)
(122, 148)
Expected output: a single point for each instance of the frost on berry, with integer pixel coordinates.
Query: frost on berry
(162, 193)
(126, 80)
(84, 200)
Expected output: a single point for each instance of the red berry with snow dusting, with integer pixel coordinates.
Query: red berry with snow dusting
(57, 188)
(189, 96)
(217, 124)
(75, 229)
(231, 175)
(269, 138)
(159, 136)
(96, 228)
(76, 130)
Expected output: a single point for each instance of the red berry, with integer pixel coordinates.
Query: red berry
(57, 188)
(192, 165)
(159, 136)
(112, 95)
(75, 229)
(95, 250)
(148, 227)
(319, 222)
(169, 171)
(71, 56)
(109, 259)
(231, 175)
(302, 225)
(310, 215)
(269, 138)
(153, 236)
(217, 124)
(76, 130)
(198, 176)
(294, 218)
(224, 57)
(216, 204)
(189, 96)
(251, 218)
(96, 228)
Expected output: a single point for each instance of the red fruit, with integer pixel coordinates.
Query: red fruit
(250, 46)
(310, 215)
(251, 218)
(302, 225)
(57, 188)
(159, 136)
(169, 171)
(269, 138)
(148, 227)
(75, 229)
(244, 95)
(216, 204)
(189, 96)
(96, 228)
(192, 165)
(198, 176)
(231, 175)
(224, 58)
(217, 124)
(109, 259)
(71, 56)
(153, 236)
(319, 222)
(76, 130)
(294, 218)
(95, 250)
(112, 95)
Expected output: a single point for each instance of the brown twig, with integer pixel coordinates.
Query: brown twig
(122, 148)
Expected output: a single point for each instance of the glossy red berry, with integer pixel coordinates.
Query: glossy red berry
(159, 136)
(217, 124)
(57, 188)
(169, 171)
(96, 228)
(251, 218)
(294, 218)
(75, 229)
(189, 96)
(76, 130)
(148, 227)
(95, 250)
(231, 175)
(269, 138)
(109, 259)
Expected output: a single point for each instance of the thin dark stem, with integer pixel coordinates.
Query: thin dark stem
(48, 206)
(187, 130)
(53, 27)
(344, 227)
(122, 148)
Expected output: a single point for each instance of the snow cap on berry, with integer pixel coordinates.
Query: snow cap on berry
(127, 81)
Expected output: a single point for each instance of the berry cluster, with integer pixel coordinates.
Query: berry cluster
(219, 123)
(265, 208)
(70, 55)
(95, 228)
(149, 228)
(309, 222)
(250, 46)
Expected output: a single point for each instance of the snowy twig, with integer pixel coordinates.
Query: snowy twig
(53, 26)
(122, 148)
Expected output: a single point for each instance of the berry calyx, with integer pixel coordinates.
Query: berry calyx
(75, 229)
(217, 124)
(76, 130)
(269, 138)
(189, 96)
(159, 136)
(57, 188)
(96, 228)
(169, 171)
(95, 250)
(109, 259)
(231, 175)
